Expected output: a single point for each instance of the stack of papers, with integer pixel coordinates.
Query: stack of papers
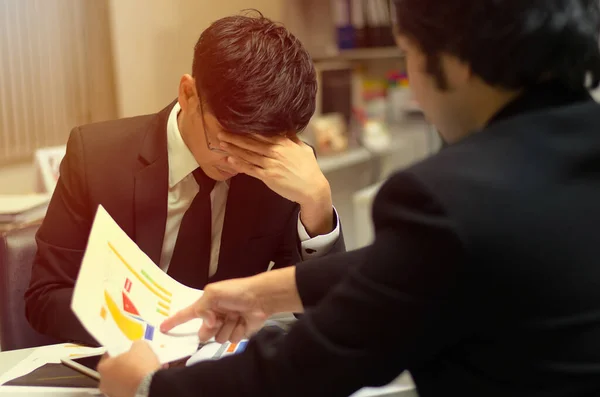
(47, 355)
(121, 296)
(23, 208)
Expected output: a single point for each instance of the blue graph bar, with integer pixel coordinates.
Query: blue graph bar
(149, 332)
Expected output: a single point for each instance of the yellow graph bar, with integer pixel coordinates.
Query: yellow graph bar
(155, 284)
(132, 329)
(140, 278)
(163, 312)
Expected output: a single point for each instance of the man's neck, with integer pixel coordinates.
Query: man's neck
(485, 103)
(180, 127)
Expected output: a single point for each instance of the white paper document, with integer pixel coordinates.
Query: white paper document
(46, 355)
(121, 296)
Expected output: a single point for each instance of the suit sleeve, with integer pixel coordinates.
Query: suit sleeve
(61, 242)
(288, 252)
(349, 340)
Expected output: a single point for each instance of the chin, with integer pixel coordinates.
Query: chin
(219, 174)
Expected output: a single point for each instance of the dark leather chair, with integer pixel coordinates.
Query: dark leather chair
(17, 249)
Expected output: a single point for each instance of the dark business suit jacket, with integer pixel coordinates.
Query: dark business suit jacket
(483, 280)
(123, 166)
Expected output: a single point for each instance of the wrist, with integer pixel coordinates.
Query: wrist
(276, 291)
(316, 211)
(143, 389)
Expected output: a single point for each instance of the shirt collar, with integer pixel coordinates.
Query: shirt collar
(181, 160)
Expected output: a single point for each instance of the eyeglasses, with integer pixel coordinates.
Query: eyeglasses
(208, 143)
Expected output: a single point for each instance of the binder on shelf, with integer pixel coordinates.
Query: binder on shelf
(379, 23)
(368, 15)
(393, 14)
(373, 30)
(357, 17)
(343, 25)
(387, 34)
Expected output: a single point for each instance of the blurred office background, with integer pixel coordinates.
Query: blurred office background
(69, 62)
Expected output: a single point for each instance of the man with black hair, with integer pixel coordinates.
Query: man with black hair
(484, 277)
(215, 186)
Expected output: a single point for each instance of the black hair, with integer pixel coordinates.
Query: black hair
(254, 75)
(512, 44)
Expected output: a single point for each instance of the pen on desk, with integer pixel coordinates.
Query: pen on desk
(62, 377)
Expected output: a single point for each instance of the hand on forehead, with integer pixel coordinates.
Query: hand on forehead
(254, 140)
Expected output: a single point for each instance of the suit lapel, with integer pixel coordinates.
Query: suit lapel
(242, 213)
(151, 188)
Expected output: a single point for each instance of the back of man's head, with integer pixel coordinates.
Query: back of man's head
(511, 44)
(254, 76)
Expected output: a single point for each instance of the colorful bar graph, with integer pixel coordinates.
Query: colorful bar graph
(143, 280)
(131, 328)
(160, 288)
(164, 313)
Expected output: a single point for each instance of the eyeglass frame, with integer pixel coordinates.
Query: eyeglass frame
(208, 144)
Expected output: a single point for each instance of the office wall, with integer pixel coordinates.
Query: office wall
(55, 73)
(17, 178)
(153, 43)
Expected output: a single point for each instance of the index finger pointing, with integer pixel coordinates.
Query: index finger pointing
(181, 317)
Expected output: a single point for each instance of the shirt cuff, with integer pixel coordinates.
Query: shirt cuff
(318, 246)
(144, 387)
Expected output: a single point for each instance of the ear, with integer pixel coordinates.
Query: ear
(458, 73)
(187, 97)
(413, 50)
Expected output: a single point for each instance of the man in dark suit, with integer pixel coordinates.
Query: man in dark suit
(484, 277)
(172, 180)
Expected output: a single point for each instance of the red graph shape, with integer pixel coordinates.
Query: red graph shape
(128, 285)
(128, 306)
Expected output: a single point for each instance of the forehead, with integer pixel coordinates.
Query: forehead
(212, 124)
(213, 127)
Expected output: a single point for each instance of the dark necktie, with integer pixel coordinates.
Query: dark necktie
(191, 255)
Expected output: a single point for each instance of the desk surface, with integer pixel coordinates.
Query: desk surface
(402, 387)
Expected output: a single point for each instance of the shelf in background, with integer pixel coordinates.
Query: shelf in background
(362, 54)
(348, 158)
(402, 135)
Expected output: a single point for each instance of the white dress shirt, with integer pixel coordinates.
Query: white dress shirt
(183, 189)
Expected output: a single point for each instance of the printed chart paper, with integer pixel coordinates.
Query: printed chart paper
(121, 296)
